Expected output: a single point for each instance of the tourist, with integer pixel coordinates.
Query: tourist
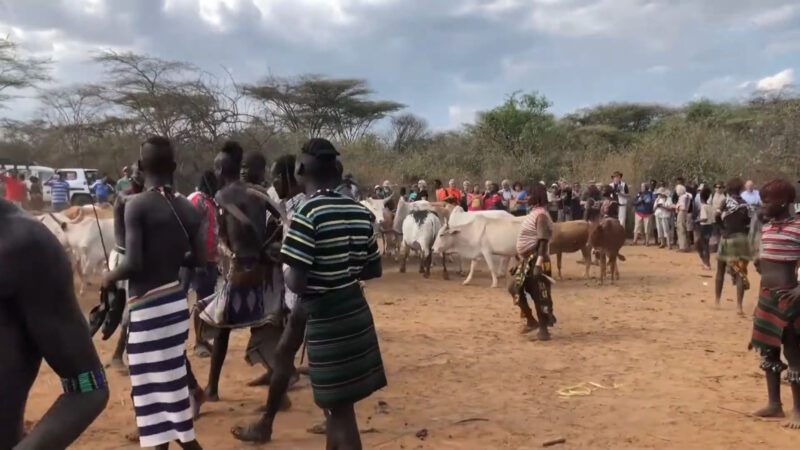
(643, 219)
(663, 212)
(492, 200)
(519, 202)
(475, 199)
(36, 195)
(16, 191)
(466, 189)
(705, 225)
(621, 193)
(59, 193)
(124, 183)
(553, 202)
(682, 217)
(102, 190)
(507, 193)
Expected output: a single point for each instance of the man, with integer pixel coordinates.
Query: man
(577, 204)
(750, 194)
(345, 363)
(388, 192)
(643, 220)
(205, 282)
(466, 189)
(162, 233)
(487, 186)
(59, 193)
(251, 296)
(565, 212)
(753, 199)
(492, 200)
(439, 191)
(451, 193)
(734, 247)
(621, 194)
(124, 183)
(40, 319)
(102, 190)
(16, 191)
(346, 186)
(507, 193)
(653, 186)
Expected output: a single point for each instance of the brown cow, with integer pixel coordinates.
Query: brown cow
(606, 238)
(570, 237)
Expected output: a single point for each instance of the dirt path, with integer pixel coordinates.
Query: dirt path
(453, 353)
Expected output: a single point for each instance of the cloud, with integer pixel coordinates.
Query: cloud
(778, 82)
(446, 59)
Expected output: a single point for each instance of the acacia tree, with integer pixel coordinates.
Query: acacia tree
(18, 71)
(72, 113)
(311, 105)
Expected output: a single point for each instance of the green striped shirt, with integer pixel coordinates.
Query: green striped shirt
(331, 238)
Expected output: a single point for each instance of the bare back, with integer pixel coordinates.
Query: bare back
(244, 238)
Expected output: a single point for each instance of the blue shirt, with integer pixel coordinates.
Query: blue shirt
(101, 190)
(59, 192)
(752, 198)
(644, 203)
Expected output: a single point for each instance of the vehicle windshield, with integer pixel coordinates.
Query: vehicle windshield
(68, 175)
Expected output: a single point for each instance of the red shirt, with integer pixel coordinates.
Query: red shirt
(16, 191)
(208, 208)
(490, 201)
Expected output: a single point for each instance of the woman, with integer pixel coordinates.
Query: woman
(533, 273)
(734, 246)
(553, 202)
(475, 199)
(705, 223)
(519, 200)
(776, 322)
(36, 196)
(493, 200)
(663, 208)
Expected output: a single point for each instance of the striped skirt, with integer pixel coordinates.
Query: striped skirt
(344, 360)
(156, 347)
(773, 314)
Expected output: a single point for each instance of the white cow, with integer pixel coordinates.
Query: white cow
(480, 235)
(82, 239)
(420, 228)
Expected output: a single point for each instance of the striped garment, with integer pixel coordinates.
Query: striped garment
(344, 359)
(780, 240)
(292, 205)
(331, 237)
(537, 225)
(773, 314)
(159, 327)
(59, 192)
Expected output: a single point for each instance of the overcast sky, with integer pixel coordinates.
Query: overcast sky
(445, 59)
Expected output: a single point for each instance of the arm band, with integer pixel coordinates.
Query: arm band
(94, 380)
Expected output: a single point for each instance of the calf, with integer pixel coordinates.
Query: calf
(606, 238)
(419, 232)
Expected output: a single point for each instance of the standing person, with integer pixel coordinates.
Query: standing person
(16, 191)
(519, 203)
(682, 220)
(565, 211)
(487, 186)
(609, 207)
(36, 194)
(421, 185)
(439, 192)
(452, 193)
(59, 193)
(663, 212)
(751, 194)
(705, 225)
(345, 364)
(653, 186)
(506, 193)
(553, 202)
(778, 310)
(531, 275)
(161, 229)
(753, 199)
(576, 204)
(40, 319)
(718, 198)
(466, 189)
(388, 192)
(204, 282)
(102, 190)
(475, 199)
(124, 183)
(734, 247)
(622, 194)
(251, 295)
(493, 200)
(643, 219)
(414, 194)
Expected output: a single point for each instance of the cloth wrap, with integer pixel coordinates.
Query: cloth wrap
(773, 314)
(344, 359)
(159, 327)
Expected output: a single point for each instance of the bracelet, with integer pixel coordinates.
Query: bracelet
(85, 382)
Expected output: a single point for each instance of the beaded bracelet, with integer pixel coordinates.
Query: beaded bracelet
(85, 382)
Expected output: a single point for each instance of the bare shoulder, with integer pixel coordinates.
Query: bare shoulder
(24, 239)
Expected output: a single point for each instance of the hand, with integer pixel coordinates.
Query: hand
(792, 295)
(537, 271)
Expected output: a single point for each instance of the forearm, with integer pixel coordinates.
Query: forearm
(69, 416)
(371, 271)
(124, 271)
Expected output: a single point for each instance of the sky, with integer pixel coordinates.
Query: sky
(444, 59)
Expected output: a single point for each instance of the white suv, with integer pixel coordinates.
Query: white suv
(79, 181)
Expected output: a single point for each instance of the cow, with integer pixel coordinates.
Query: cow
(89, 241)
(420, 228)
(384, 224)
(606, 238)
(484, 235)
(78, 213)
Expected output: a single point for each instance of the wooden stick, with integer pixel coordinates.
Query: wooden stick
(554, 442)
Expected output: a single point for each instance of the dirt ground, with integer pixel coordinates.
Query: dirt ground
(676, 370)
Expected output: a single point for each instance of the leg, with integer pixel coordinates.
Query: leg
(445, 275)
(487, 255)
(537, 289)
(343, 429)
(518, 294)
(612, 266)
(740, 288)
(623, 216)
(602, 258)
(638, 226)
(116, 358)
(558, 264)
(472, 265)
(217, 359)
(772, 366)
(648, 230)
(404, 258)
(791, 350)
(191, 445)
(721, 265)
(587, 258)
(282, 371)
